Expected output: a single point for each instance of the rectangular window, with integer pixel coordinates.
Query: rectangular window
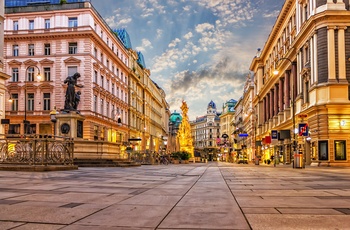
(30, 74)
(31, 49)
(30, 101)
(14, 98)
(14, 74)
(47, 49)
(323, 150)
(73, 22)
(31, 24)
(15, 25)
(95, 103)
(95, 132)
(340, 150)
(72, 70)
(102, 81)
(72, 47)
(102, 106)
(47, 74)
(113, 88)
(95, 52)
(117, 91)
(47, 23)
(95, 76)
(46, 101)
(15, 50)
(107, 85)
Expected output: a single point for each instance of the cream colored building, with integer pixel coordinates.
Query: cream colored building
(61, 39)
(227, 129)
(207, 133)
(309, 45)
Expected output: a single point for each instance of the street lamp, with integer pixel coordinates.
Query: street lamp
(293, 76)
(29, 78)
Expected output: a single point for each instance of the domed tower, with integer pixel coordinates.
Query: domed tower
(211, 112)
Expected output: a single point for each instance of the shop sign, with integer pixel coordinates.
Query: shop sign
(274, 134)
(303, 129)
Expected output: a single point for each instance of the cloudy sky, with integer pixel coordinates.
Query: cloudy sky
(197, 50)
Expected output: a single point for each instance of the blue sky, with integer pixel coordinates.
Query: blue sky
(197, 50)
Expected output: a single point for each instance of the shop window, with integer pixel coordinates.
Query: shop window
(95, 132)
(323, 150)
(340, 150)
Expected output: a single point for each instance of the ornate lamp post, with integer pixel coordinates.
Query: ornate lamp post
(29, 78)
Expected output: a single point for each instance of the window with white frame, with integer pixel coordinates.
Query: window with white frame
(14, 98)
(15, 74)
(95, 103)
(47, 49)
(30, 74)
(73, 22)
(15, 25)
(15, 50)
(47, 23)
(72, 47)
(72, 70)
(31, 49)
(47, 101)
(47, 74)
(102, 106)
(31, 25)
(95, 76)
(30, 101)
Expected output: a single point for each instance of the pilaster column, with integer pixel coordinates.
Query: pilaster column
(341, 52)
(280, 95)
(276, 100)
(331, 52)
(287, 89)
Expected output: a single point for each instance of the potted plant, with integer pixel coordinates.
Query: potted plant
(185, 156)
(175, 158)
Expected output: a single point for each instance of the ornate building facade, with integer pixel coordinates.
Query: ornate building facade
(57, 40)
(304, 107)
(227, 129)
(207, 133)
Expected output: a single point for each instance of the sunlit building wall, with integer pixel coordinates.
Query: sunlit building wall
(309, 45)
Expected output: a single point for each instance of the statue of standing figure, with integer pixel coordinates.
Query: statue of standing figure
(72, 97)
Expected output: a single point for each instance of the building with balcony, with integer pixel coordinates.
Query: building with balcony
(304, 107)
(227, 129)
(207, 133)
(58, 40)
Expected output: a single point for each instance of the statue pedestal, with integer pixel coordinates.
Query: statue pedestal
(69, 125)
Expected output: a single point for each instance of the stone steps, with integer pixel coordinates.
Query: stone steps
(104, 163)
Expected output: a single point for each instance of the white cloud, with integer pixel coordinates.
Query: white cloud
(145, 44)
(174, 42)
(188, 35)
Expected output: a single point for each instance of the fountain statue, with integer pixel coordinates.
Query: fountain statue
(184, 133)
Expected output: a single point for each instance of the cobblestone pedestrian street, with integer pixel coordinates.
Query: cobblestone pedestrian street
(181, 196)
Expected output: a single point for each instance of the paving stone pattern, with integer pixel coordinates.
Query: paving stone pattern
(192, 196)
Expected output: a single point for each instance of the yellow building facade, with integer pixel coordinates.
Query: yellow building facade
(303, 108)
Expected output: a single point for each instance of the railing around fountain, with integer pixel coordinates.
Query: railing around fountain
(36, 150)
